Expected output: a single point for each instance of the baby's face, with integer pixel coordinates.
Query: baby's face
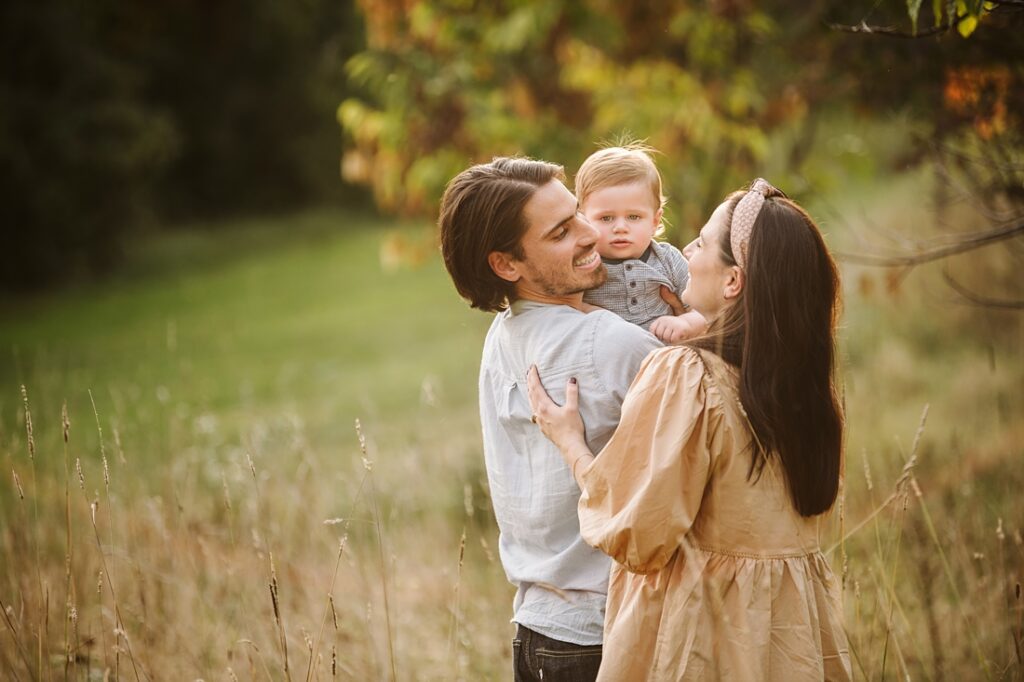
(627, 217)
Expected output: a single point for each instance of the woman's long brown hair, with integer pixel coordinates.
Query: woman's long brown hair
(781, 337)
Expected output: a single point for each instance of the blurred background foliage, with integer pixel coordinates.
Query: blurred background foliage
(727, 90)
(121, 117)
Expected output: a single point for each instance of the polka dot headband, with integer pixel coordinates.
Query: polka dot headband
(745, 215)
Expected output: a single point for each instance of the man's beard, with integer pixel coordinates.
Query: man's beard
(564, 286)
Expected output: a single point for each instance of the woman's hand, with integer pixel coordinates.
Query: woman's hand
(563, 425)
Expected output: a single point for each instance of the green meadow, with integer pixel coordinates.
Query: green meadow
(215, 512)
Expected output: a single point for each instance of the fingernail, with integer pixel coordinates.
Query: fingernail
(572, 381)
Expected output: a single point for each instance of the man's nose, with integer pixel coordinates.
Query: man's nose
(587, 233)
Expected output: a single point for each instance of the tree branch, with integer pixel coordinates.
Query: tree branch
(962, 244)
(893, 32)
(978, 299)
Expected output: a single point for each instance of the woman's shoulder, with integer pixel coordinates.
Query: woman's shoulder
(670, 366)
(689, 370)
(678, 357)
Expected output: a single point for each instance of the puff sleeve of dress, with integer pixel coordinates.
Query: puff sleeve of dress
(641, 493)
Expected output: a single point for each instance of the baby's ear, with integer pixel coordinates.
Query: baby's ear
(659, 226)
(504, 265)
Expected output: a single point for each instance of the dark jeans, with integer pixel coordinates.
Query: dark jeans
(536, 657)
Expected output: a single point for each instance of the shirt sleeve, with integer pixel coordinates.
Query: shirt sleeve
(642, 492)
(678, 270)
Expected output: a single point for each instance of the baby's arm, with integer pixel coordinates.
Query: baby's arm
(677, 328)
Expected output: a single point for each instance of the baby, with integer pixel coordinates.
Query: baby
(619, 191)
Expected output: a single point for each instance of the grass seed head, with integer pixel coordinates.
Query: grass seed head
(120, 449)
(367, 462)
(17, 484)
(28, 424)
(308, 640)
(65, 421)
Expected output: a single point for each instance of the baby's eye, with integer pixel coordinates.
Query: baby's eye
(634, 216)
(606, 219)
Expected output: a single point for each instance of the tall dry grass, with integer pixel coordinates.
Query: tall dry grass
(272, 576)
(253, 573)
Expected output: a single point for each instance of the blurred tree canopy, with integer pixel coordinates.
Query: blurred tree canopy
(727, 90)
(120, 114)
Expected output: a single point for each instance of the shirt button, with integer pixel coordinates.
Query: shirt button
(632, 284)
(629, 267)
(633, 301)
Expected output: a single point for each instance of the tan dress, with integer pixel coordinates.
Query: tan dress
(715, 577)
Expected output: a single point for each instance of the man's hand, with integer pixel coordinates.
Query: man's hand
(677, 328)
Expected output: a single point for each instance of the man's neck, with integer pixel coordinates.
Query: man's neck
(571, 300)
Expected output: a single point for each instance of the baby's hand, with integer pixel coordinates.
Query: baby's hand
(677, 328)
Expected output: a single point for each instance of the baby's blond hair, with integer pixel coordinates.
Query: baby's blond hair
(620, 165)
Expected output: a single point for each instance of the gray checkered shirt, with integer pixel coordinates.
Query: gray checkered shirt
(633, 288)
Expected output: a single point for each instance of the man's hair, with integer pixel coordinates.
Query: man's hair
(622, 165)
(481, 212)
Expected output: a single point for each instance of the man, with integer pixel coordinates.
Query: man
(515, 243)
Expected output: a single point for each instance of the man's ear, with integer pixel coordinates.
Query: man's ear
(504, 265)
(735, 280)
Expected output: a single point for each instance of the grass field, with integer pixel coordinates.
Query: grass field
(213, 514)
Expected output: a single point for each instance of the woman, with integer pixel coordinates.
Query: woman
(709, 494)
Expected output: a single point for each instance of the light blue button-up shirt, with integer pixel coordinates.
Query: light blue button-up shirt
(561, 581)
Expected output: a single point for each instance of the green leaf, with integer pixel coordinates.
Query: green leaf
(937, 8)
(914, 9)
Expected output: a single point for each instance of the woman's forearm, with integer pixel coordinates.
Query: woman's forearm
(578, 458)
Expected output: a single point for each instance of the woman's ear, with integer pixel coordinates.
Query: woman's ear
(734, 282)
(504, 265)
